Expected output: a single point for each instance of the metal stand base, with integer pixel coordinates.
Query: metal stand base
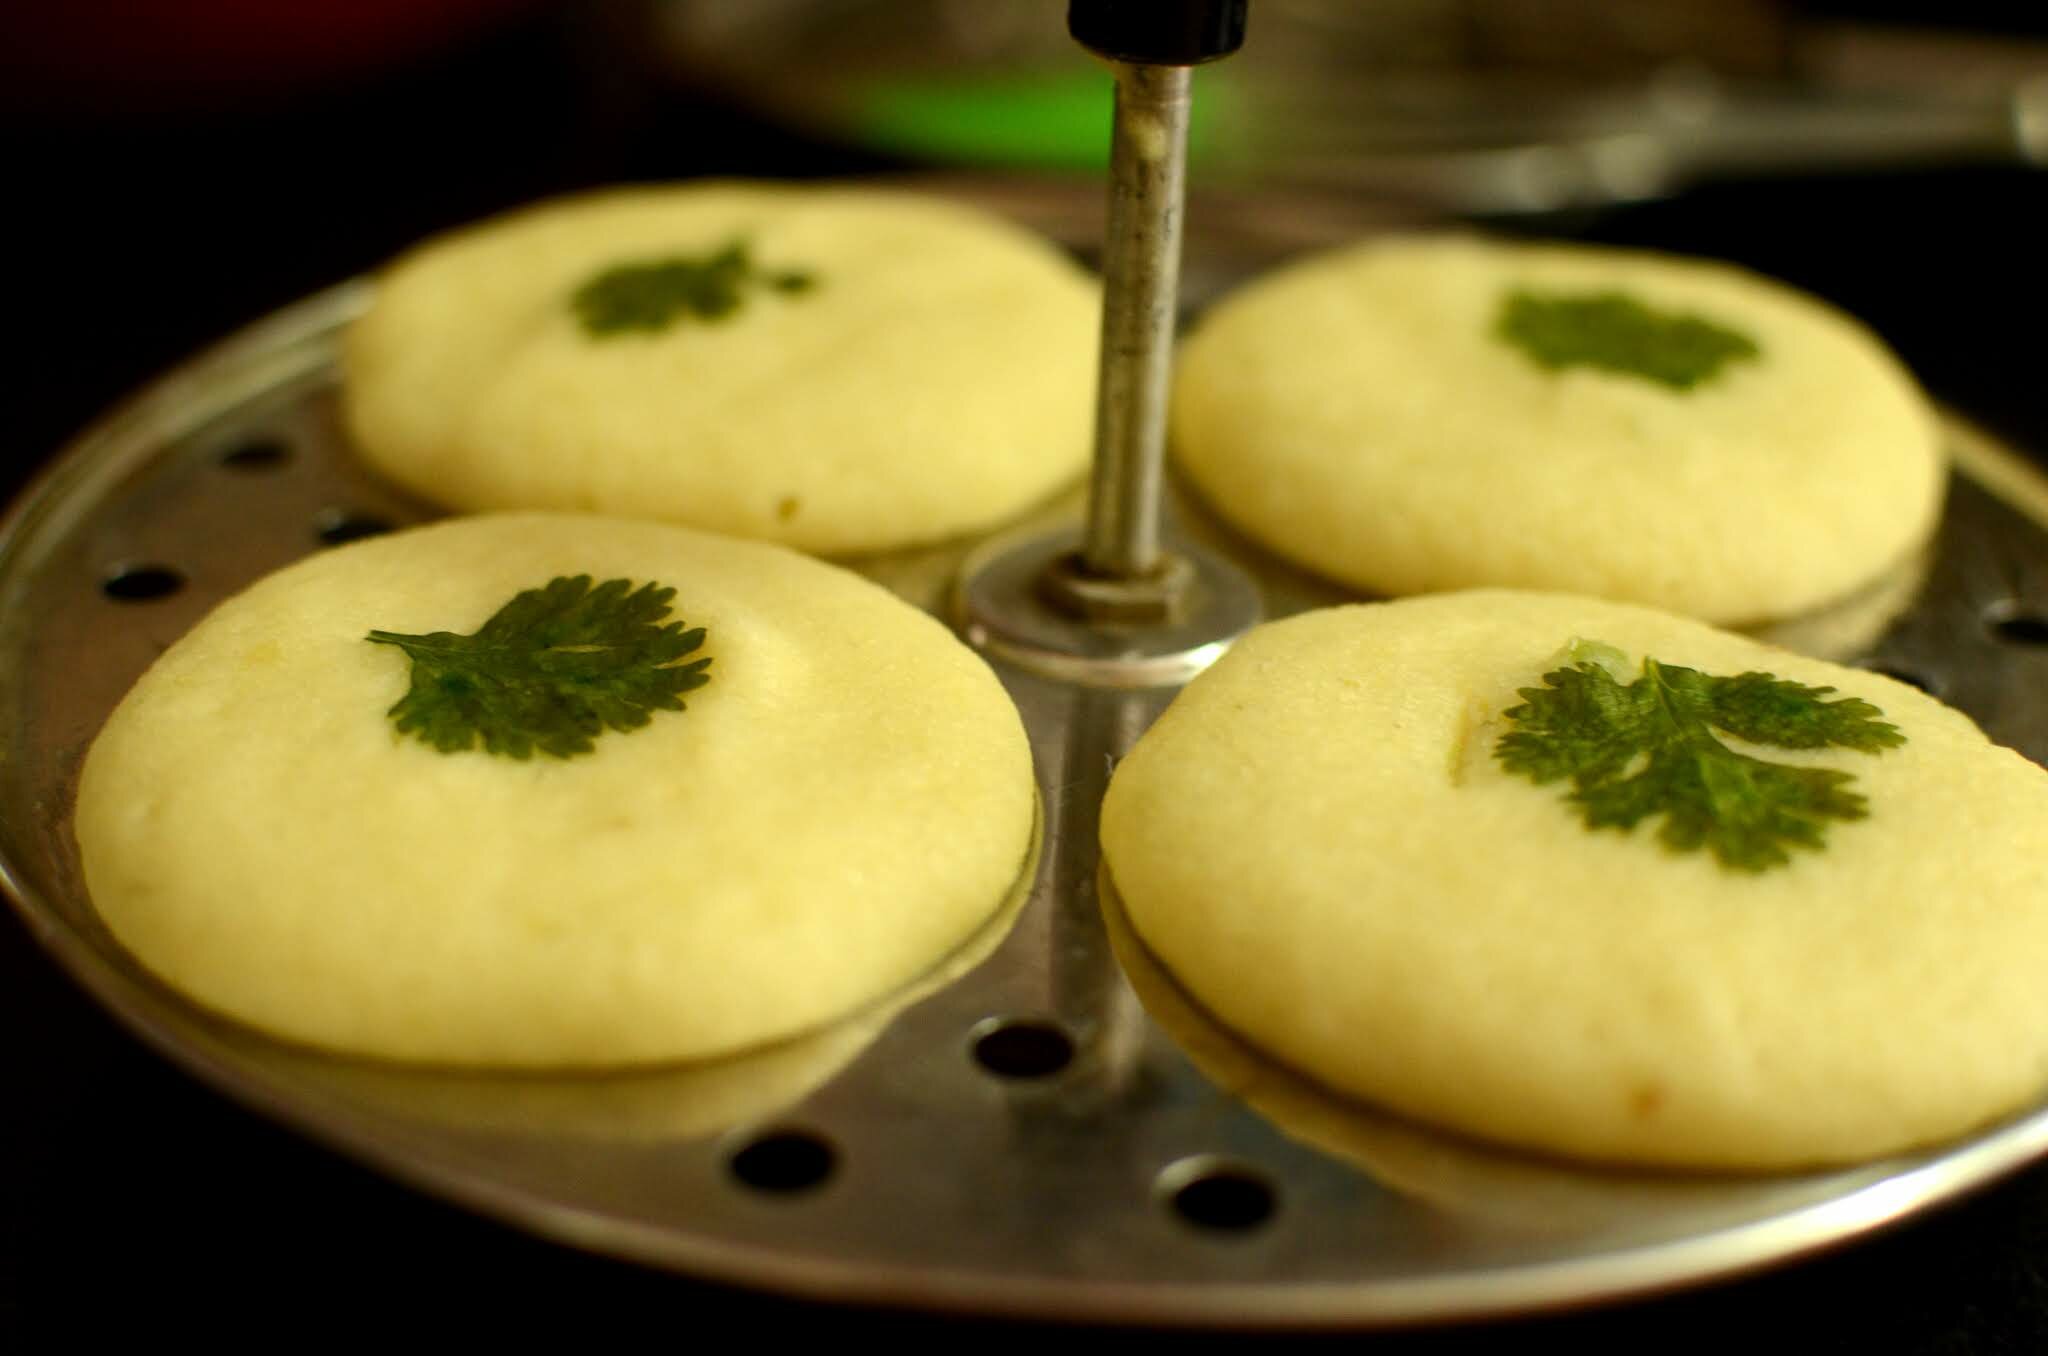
(1031, 603)
(1042, 1131)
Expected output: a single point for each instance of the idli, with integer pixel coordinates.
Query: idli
(836, 369)
(1595, 880)
(544, 790)
(1419, 414)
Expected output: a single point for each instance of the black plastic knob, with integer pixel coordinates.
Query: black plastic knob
(1158, 32)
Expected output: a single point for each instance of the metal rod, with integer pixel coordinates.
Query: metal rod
(1141, 283)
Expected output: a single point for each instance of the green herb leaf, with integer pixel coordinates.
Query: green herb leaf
(654, 294)
(1615, 332)
(551, 670)
(1648, 748)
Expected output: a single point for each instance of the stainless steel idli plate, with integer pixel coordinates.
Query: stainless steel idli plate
(1020, 1133)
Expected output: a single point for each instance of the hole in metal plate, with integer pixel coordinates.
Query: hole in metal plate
(257, 455)
(1215, 1194)
(2014, 624)
(141, 583)
(784, 1162)
(338, 527)
(1022, 1048)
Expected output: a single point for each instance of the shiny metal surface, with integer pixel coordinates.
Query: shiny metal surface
(1001, 607)
(1140, 295)
(1070, 1187)
(1468, 107)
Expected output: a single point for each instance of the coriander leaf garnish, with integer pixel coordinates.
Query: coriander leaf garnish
(1615, 332)
(653, 294)
(551, 670)
(1648, 748)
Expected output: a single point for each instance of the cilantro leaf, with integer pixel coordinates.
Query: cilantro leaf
(654, 294)
(551, 670)
(1615, 332)
(1648, 748)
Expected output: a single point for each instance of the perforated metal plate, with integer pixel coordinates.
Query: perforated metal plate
(1020, 1133)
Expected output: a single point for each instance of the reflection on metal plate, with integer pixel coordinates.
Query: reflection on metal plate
(1020, 1134)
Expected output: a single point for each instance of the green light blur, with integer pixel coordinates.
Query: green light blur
(1050, 120)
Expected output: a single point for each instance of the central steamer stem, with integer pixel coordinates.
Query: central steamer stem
(1140, 287)
(1117, 606)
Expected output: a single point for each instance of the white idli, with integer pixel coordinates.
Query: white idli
(1318, 841)
(1368, 414)
(889, 369)
(844, 802)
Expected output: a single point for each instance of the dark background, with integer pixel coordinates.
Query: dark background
(150, 216)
